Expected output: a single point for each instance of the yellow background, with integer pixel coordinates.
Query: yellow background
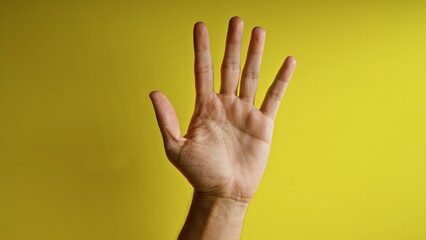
(81, 156)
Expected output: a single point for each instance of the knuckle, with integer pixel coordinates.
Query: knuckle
(233, 66)
(275, 96)
(254, 75)
(207, 68)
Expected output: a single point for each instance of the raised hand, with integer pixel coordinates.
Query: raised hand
(225, 150)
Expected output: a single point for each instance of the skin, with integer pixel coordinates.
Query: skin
(225, 150)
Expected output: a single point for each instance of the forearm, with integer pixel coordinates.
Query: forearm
(214, 218)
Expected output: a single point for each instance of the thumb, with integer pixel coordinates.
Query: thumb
(167, 121)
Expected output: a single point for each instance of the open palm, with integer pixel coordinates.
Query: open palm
(226, 148)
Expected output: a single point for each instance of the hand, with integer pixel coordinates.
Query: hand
(225, 151)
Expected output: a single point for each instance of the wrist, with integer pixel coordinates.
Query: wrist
(209, 215)
(220, 206)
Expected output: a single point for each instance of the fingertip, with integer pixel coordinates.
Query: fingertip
(199, 29)
(235, 30)
(153, 94)
(157, 97)
(257, 40)
(287, 69)
(236, 20)
(201, 36)
(291, 60)
(198, 23)
(258, 31)
(199, 26)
